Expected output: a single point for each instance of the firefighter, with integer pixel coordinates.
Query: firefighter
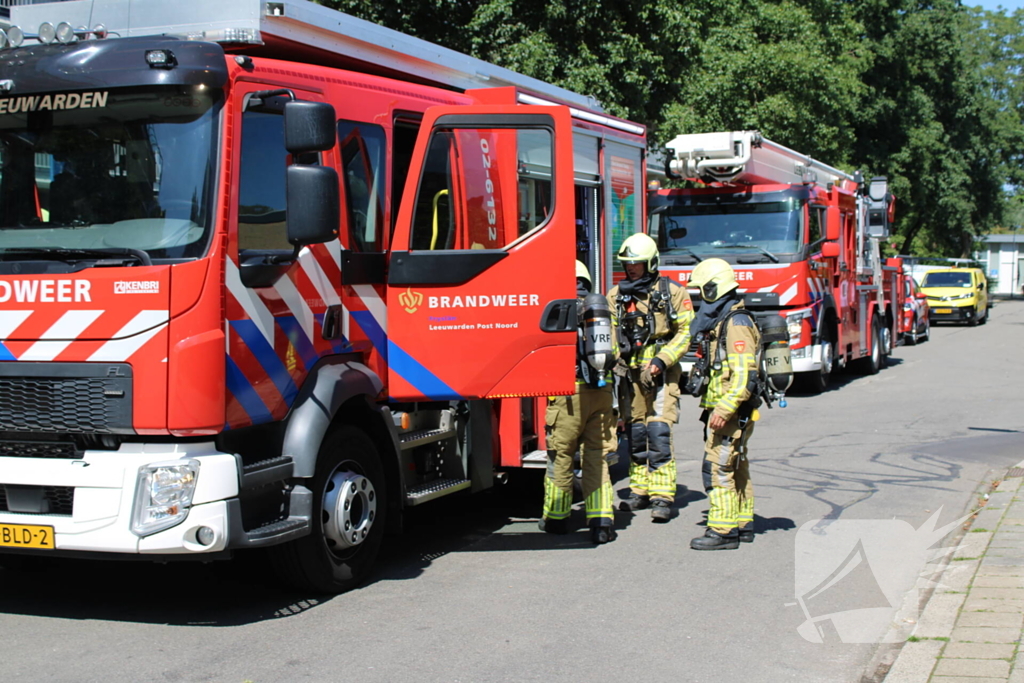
(729, 402)
(583, 421)
(652, 316)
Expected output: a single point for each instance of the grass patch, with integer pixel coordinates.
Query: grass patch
(918, 639)
(964, 559)
(979, 531)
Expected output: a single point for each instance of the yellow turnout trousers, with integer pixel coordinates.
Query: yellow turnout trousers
(726, 474)
(583, 421)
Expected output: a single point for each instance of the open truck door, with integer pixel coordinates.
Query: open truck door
(481, 286)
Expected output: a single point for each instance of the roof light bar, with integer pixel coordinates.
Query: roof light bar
(62, 33)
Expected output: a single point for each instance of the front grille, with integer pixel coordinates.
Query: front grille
(57, 500)
(38, 449)
(65, 398)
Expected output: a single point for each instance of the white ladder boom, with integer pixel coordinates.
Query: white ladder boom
(746, 157)
(284, 25)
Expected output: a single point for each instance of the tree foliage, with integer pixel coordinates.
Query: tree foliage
(926, 92)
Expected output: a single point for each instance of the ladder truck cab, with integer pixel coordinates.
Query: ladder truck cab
(802, 236)
(270, 275)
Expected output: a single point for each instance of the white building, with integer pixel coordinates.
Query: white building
(1004, 261)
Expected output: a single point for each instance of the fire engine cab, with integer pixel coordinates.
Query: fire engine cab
(803, 238)
(271, 275)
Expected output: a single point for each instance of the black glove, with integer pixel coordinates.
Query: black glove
(649, 381)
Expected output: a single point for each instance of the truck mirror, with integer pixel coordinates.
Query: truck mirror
(830, 249)
(677, 233)
(309, 127)
(313, 198)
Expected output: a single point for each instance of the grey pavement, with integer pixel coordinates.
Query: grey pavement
(971, 627)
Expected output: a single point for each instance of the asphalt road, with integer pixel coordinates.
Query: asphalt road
(474, 593)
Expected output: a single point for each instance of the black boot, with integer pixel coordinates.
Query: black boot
(661, 510)
(553, 526)
(746, 534)
(602, 533)
(712, 540)
(636, 502)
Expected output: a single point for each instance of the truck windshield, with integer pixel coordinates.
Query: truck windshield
(133, 170)
(747, 232)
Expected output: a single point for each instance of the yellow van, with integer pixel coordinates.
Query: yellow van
(956, 294)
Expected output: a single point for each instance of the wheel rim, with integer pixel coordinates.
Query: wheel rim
(876, 351)
(826, 359)
(349, 509)
(887, 341)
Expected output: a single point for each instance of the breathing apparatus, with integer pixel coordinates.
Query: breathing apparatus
(596, 328)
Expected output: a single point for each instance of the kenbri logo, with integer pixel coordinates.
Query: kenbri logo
(137, 287)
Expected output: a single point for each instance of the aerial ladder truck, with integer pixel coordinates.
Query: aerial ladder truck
(802, 236)
(271, 275)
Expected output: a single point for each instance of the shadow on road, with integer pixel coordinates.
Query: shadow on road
(244, 590)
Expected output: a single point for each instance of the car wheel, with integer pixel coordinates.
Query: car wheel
(926, 332)
(349, 504)
(912, 337)
(984, 317)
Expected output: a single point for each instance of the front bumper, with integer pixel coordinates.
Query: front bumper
(807, 358)
(104, 485)
(952, 313)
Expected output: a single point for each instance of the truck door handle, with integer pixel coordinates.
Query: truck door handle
(559, 316)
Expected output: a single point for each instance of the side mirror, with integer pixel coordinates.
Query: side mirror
(313, 199)
(830, 249)
(309, 127)
(920, 295)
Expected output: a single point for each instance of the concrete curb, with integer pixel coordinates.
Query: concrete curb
(971, 626)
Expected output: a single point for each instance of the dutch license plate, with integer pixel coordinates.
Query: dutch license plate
(943, 311)
(26, 536)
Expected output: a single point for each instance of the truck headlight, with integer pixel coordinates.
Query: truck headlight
(163, 495)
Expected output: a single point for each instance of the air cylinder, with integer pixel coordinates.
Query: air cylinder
(777, 360)
(597, 335)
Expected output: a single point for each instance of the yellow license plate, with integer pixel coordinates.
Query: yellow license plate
(943, 311)
(26, 536)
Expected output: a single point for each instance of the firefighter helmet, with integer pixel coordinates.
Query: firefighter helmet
(582, 272)
(640, 248)
(714, 277)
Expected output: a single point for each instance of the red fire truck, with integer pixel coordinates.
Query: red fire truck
(802, 236)
(271, 274)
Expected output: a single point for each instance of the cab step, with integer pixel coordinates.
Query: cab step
(535, 459)
(422, 437)
(266, 472)
(435, 489)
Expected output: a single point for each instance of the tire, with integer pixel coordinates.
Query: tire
(926, 333)
(912, 337)
(349, 504)
(984, 318)
(873, 363)
(886, 342)
(817, 382)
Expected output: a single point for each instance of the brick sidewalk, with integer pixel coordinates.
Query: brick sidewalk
(971, 628)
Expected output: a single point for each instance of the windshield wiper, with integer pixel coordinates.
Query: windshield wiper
(770, 255)
(689, 252)
(75, 254)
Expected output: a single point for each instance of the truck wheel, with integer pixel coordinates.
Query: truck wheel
(873, 363)
(817, 382)
(349, 506)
